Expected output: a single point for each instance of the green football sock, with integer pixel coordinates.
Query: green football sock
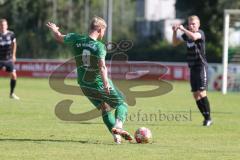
(109, 120)
(121, 112)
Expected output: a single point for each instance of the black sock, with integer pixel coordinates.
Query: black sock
(206, 105)
(200, 107)
(12, 85)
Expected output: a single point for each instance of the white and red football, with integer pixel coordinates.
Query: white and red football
(143, 135)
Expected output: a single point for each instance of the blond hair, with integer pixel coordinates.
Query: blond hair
(194, 17)
(97, 23)
(3, 20)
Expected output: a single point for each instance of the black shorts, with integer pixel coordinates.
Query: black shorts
(198, 78)
(8, 65)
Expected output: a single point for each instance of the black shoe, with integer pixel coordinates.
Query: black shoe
(207, 122)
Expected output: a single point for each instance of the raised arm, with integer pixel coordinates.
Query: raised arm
(192, 35)
(55, 29)
(103, 72)
(175, 40)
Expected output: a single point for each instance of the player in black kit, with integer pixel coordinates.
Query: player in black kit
(196, 58)
(8, 48)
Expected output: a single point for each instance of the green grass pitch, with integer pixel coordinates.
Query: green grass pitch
(30, 130)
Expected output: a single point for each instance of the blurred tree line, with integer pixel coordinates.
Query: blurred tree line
(27, 18)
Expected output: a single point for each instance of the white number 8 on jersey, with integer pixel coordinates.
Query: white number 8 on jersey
(86, 58)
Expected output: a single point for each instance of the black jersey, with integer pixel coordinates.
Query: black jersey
(6, 41)
(195, 50)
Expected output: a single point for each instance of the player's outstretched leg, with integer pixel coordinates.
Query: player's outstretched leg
(120, 114)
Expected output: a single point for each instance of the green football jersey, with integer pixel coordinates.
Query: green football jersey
(87, 53)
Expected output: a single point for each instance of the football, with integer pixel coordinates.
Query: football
(143, 135)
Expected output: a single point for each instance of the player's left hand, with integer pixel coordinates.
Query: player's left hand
(175, 27)
(181, 27)
(52, 27)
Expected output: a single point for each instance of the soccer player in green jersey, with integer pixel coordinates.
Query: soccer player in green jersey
(93, 80)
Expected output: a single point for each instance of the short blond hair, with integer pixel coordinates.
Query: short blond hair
(97, 23)
(3, 20)
(194, 17)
